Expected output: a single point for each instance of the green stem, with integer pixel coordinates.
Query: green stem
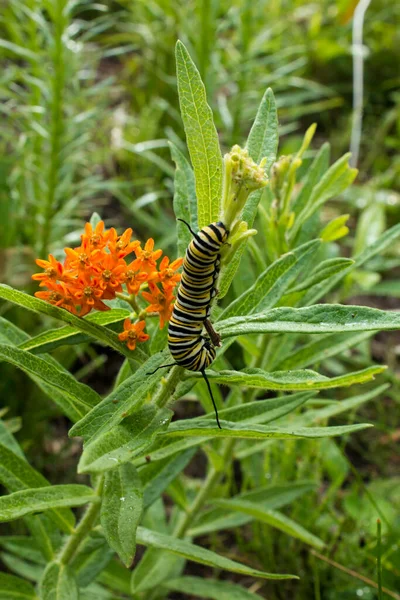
(205, 492)
(57, 122)
(379, 559)
(130, 300)
(168, 386)
(83, 529)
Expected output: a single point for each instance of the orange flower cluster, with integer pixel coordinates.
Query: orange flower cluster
(97, 270)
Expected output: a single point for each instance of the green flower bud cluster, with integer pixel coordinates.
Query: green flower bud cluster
(242, 176)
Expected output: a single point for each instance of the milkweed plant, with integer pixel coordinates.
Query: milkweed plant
(116, 292)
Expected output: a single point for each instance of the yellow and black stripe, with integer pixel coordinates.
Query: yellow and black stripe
(188, 346)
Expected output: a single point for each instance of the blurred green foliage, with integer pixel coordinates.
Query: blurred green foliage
(89, 103)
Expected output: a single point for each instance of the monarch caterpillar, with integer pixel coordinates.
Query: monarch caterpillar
(187, 344)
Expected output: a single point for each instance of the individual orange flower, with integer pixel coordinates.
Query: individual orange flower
(121, 246)
(133, 333)
(58, 295)
(148, 256)
(87, 293)
(97, 238)
(82, 258)
(111, 271)
(53, 270)
(167, 275)
(160, 301)
(133, 278)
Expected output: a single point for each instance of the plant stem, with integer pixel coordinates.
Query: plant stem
(168, 386)
(379, 559)
(211, 481)
(57, 123)
(83, 529)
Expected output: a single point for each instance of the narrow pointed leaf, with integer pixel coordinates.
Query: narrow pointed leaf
(14, 588)
(53, 338)
(185, 201)
(210, 588)
(58, 583)
(16, 474)
(25, 502)
(378, 247)
(321, 349)
(92, 557)
(317, 169)
(209, 429)
(269, 498)
(94, 331)
(272, 284)
(262, 411)
(121, 402)
(321, 318)
(273, 518)
(80, 396)
(291, 380)
(263, 137)
(121, 510)
(200, 555)
(261, 143)
(124, 442)
(201, 136)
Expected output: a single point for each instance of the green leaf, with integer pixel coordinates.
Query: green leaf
(11, 336)
(290, 380)
(53, 338)
(261, 143)
(210, 588)
(22, 568)
(80, 397)
(121, 510)
(58, 583)
(250, 299)
(116, 577)
(338, 177)
(318, 167)
(25, 502)
(335, 229)
(378, 247)
(201, 136)
(209, 429)
(322, 348)
(273, 518)
(268, 497)
(200, 555)
(157, 476)
(14, 588)
(370, 226)
(264, 136)
(337, 408)
(10, 333)
(16, 474)
(321, 318)
(122, 401)
(155, 567)
(8, 440)
(92, 557)
(98, 333)
(272, 283)
(325, 269)
(23, 546)
(262, 411)
(185, 201)
(124, 442)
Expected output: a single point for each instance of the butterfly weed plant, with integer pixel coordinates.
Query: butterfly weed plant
(278, 269)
